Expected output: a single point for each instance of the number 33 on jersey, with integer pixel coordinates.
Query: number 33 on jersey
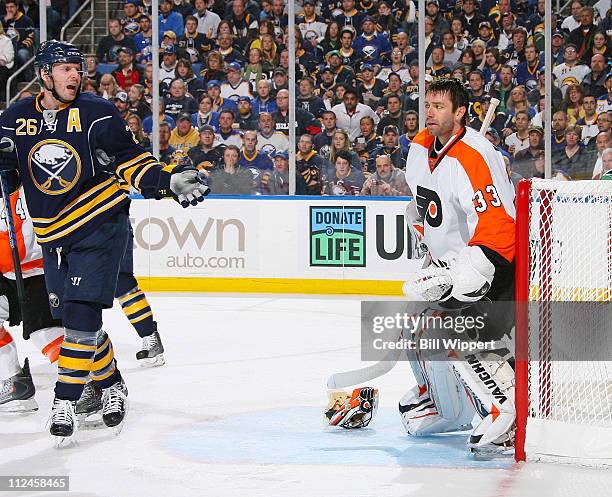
(464, 195)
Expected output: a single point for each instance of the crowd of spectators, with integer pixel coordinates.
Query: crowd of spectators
(225, 102)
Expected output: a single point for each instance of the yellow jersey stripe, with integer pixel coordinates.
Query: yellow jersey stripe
(104, 376)
(69, 379)
(129, 172)
(142, 173)
(129, 163)
(137, 306)
(105, 361)
(81, 197)
(81, 222)
(114, 188)
(73, 363)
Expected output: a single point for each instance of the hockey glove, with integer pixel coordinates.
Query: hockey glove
(431, 284)
(188, 187)
(352, 411)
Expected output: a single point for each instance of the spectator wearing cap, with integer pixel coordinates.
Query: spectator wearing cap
(206, 155)
(440, 24)
(245, 26)
(397, 66)
(595, 81)
(349, 16)
(137, 104)
(343, 179)
(263, 102)
(528, 70)
(310, 22)
(571, 71)
(169, 20)
(250, 155)
(231, 179)
(387, 181)
(276, 182)
(305, 121)
(178, 100)
(184, 136)
(229, 133)
(280, 80)
(193, 44)
(205, 116)
(307, 100)
(524, 160)
(215, 70)
(571, 158)
(235, 86)
(486, 33)
(269, 140)
(169, 39)
(167, 69)
(147, 122)
(126, 73)
(245, 118)
(350, 111)
(471, 17)
(122, 104)
(219, 103)
(129, 17)
(326, 84)
(370, 89)
(109, 45)
(557, 47)
(143, 40)
(390, 146)
(342, 73)
(436, 67)
(583, 35)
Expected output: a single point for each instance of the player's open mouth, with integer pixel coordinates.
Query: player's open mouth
(71, 87)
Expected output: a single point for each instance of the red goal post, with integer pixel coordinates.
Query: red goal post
(564, 297)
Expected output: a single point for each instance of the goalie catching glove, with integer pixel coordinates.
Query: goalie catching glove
(352, 411)
(467, 278)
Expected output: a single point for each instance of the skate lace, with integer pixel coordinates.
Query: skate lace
(88, 393)
(150, 341)
(114, 400)
(62, 413)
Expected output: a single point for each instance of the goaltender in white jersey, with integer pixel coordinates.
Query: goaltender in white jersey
(465, 202)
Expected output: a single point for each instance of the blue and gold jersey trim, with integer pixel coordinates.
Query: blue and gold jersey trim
(79, 212)
(133, 170)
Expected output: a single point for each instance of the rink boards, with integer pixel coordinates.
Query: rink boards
(318, 245)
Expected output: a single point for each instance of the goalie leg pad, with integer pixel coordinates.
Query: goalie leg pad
(489, 381)
(471, 274)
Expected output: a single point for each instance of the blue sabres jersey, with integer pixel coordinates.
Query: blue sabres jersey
(71, 186)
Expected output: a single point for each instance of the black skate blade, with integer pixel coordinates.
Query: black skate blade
(90, 421)
(491, 452)
(19, 406)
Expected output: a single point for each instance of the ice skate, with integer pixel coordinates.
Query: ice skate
(89, 407)
(63, 421)
(115, 406)
(17, 392)
(152, 353)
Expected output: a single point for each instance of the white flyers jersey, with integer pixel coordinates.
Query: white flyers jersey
(30, 253)
(463, 195)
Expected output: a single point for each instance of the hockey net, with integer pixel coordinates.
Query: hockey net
(564, 323)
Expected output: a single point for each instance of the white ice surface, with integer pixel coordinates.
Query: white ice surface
(237, 411)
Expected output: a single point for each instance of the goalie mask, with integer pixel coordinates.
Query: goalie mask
(352, 411)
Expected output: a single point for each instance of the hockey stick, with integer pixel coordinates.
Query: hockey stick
(356, 376)
(489, 116)
(7, 146)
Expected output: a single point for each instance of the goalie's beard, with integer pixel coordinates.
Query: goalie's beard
(54, 92)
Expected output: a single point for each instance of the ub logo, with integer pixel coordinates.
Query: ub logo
(55, 166)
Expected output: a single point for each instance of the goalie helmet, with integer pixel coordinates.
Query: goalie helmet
(352, 411)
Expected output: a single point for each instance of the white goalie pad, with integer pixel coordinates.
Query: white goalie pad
(472, 274)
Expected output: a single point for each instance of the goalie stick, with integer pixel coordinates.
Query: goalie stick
(356, 376)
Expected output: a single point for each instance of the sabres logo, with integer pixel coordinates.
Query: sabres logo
(55, 166)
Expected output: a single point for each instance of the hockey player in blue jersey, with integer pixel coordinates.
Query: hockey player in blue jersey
(79, 211)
